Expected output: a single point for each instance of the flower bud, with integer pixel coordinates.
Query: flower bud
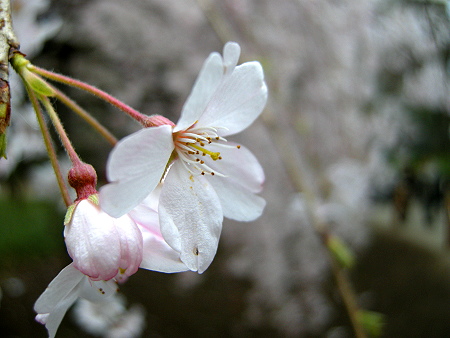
(83, 178)
(102, 247)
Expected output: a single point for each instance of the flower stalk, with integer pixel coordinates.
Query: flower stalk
(141, 118)
(49, 146)
(86, 116)
(60, 130)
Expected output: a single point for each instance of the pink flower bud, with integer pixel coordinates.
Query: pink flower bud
(83, 178)
(103, 247)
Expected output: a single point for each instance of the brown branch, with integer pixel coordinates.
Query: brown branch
(8, 42)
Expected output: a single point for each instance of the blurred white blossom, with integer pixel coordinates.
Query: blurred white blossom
(110, 319)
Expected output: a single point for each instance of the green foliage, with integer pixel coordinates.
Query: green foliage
(28, 229)
(430, 145)
(372, 322)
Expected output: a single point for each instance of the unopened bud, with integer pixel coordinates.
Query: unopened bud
(83, 178)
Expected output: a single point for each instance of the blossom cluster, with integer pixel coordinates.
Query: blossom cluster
(170, 186)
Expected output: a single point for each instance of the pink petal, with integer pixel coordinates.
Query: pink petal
(190, 217)
(99, 244)
(135, 167)
(131, 245)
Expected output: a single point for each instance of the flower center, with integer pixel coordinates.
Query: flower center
(191, 147)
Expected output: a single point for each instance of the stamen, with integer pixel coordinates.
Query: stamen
(186, 139)
(193, 143)
(213, 155)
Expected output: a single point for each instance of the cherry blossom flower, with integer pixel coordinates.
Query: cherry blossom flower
(208, 177)
(110, 318)
(105, 250)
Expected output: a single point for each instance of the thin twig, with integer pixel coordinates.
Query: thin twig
(141, 118)
(60, 130)
(71, 104)
(49, 145)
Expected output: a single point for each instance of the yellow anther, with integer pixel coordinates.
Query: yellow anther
(215, 156)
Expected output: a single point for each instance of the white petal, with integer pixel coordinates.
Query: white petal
(237, 203)
(53, 319)
(157, 254)
(231, 52)
(97, 291)
(60, 294)
(59, 288)
(207, 82)
(244, 177)
(190, 217)
(118, 198)
(239, 166)
(238, 101)
(135, 167)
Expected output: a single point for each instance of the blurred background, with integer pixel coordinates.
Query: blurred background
(355, 135)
